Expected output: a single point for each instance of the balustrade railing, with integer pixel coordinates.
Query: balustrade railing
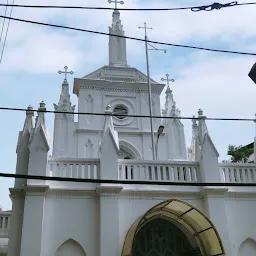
(238, 173)
(4, 223)
(159, 171)
(74, 168)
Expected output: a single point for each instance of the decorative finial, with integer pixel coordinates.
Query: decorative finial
(200, 112)
(66, 72)
(30, 111)
(108, 109)
(193, 120)
(116, 2)
(42, 104)
(167, 79)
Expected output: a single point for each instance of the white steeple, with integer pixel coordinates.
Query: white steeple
(117, 45)
(65, 104)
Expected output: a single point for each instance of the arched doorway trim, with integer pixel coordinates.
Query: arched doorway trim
(71, 241)
(130, 149)
(193, 220)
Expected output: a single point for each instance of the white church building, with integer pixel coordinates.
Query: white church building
(56, 218)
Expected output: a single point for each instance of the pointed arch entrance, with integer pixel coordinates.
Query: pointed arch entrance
(173, 228)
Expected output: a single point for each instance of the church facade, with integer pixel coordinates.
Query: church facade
(54, 218)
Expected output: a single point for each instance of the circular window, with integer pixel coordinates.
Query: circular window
(120, 111)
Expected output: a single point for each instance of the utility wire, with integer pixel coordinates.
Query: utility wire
(130, 182)
(4, 21)
(216, 6)
(139, 116)
(6, 34)
(127, 37)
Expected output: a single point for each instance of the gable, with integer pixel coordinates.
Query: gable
(118, 74)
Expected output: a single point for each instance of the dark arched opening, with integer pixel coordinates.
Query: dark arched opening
(161, 237)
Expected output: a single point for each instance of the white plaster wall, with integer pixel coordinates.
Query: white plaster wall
(71, 217)
(241, 215)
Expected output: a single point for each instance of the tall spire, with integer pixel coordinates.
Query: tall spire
(117, 45)
(65, 104)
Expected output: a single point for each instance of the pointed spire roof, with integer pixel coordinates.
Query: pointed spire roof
(40, 125)
(117, 45)
(65, 104)
(109, 127)
(27, 128)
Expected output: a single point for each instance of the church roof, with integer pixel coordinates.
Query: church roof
(119, 74)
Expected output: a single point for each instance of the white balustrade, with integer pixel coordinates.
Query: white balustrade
(159, 171)
(238, 173)
(74, 168)
(4, 223)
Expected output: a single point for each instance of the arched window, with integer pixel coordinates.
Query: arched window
(70, 247)
(160, 237)
(123, 154)
(247, 248)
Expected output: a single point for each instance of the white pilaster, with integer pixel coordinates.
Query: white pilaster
(33, 221)
(109, 221)
(14, 244)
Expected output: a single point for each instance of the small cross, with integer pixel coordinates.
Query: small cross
(145, 27)
(167, 79)
(116, 2)
(66, 72)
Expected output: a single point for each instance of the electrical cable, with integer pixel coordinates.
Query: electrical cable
(138, 116)
(6, 34)
(211, 7)
(127, 182)
(127, 37)
(3, 22)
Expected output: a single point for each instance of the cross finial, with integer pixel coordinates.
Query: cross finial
(66, 72)
(167, 79)
(116, 2)
(145, 28)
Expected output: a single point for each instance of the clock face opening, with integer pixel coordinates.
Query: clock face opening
(120, 111)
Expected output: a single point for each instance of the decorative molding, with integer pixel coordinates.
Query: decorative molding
(112, 190)
(82, 86)
(159, 194)
(213, 192)
(71, 193)
(17, 193)
(36, 190)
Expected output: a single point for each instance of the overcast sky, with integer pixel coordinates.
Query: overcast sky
(216, 82)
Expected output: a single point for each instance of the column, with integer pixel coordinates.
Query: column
(33, 221)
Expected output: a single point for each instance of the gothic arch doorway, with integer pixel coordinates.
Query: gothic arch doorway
(178, 229)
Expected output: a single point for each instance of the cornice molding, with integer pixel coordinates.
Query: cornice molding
(111, 190)
(99, 88)
(36, 190)
(17, 193)
(213, 192)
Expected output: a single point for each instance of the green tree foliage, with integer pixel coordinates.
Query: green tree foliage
(240, 153)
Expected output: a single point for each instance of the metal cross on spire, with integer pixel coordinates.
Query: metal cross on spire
(145, 28)
(116, 2)
(167, 79)
(66, 72)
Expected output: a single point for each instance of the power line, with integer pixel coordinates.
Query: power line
(4, 21)
(214, 6)
(127, 37)
(6, 34)
(126, 182)
(138, 116)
